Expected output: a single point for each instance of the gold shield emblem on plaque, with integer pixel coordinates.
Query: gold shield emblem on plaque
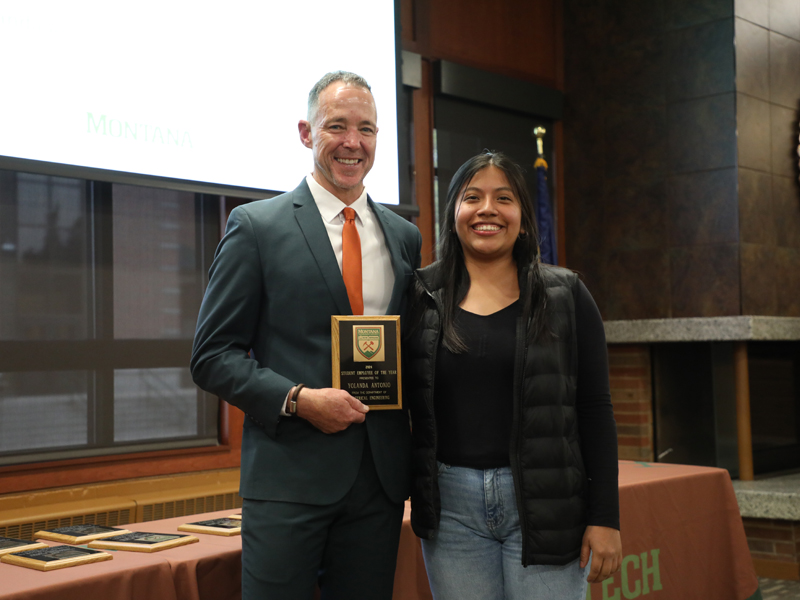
(368, 343)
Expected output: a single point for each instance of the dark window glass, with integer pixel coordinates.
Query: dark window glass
(44, 260)
(157, 284)
(151, 404)
(43, 410)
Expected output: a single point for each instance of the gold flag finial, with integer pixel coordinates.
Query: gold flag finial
(539, 133)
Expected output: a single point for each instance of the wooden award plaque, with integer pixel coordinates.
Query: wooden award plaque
(140, 541)
(78, 534)
(366, 359)
(9, 545)
(224, 526)
(50, 558)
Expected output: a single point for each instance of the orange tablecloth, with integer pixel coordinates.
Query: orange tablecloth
(208, 570)
(129, 576)
(682, 537)
(681, 531)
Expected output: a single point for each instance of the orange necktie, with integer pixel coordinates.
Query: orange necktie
(351, 261)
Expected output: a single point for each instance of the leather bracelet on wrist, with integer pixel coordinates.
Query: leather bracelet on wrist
(291, 405)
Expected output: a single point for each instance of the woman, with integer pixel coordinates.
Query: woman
(515, 440)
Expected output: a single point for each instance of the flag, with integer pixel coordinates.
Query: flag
(544, 215)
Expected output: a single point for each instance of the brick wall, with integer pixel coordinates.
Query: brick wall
(632, 396)
(775, 547)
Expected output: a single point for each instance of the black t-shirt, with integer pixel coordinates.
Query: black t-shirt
(474, 391)
(474, 399)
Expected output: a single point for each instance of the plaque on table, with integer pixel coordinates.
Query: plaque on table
(8, 545)
(237, 516)
(140, 541)
(78, 534)
(224, 526)
(50, 558)
(366, 359)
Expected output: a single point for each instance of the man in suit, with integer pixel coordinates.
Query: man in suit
(323, 479)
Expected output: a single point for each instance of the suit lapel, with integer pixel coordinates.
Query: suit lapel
(310, 222)
(393, 243)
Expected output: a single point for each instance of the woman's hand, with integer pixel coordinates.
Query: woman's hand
(605, 546)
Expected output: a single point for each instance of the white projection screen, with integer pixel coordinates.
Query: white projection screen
(190, 91)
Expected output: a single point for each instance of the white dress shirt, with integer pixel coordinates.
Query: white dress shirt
(377, 275)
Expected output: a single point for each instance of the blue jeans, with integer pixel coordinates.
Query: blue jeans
(477, 551)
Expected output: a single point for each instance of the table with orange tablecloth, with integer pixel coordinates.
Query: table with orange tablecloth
(681, 530)
(682, 537)
(128, 576)
(208, 570)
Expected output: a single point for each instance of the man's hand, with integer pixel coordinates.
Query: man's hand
(605, 546)
(330, 410)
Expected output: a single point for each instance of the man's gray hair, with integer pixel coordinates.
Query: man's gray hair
(344, 76)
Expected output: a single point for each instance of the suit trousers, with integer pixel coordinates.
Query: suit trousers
(349, 547)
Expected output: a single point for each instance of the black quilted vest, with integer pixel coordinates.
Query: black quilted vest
(549, 474)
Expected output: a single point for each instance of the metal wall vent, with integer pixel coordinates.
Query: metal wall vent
(25, 531)
(189, 506)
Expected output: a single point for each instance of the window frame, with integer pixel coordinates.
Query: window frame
(99, 356)
(113, 467)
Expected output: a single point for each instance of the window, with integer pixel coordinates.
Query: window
(100, 285)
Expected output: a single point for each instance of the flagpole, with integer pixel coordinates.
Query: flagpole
(544, 211)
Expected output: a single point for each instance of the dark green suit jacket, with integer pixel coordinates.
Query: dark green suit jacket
(273, 287)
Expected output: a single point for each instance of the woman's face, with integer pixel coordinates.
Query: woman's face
(488, 216)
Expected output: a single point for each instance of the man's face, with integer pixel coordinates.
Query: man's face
(342, 138)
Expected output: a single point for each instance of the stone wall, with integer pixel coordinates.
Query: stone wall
(680, 177)
(767, 115)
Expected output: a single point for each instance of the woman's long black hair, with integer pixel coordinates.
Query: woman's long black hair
(525, 252)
